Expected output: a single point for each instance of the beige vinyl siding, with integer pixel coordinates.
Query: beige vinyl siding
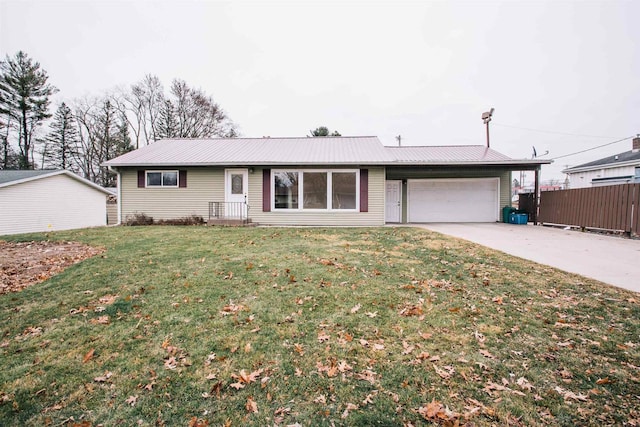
(204, 185)
(112, 213)
(374, 217)
(410, 173)
(52, 203)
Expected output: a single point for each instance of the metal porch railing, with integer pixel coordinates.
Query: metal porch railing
(234, 211)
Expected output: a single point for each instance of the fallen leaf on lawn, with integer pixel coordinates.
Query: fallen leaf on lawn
(367, 375)
(102, 320)
(355, 308)
(524, 384)
(407, 348)
(108, 299)
(251, 405)
(487, 353)
(425, 335)
(569, 395)
(103, 378)
(171, 363)
(88, 356)
(604, 381)
(322, 336)
(378, 347)
(131, 400)
(246, 378)
(371, 314)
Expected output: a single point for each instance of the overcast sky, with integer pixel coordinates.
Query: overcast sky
(562, 76)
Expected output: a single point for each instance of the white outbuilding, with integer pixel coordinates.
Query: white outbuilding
(49, 200)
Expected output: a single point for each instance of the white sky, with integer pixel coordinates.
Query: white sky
(425, 70)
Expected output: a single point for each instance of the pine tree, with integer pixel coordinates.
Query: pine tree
(62, 140)
(24, 97)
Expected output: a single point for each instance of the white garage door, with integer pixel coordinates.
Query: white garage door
(453, 200)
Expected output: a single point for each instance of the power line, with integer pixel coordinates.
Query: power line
(592, 148)
(553, 132)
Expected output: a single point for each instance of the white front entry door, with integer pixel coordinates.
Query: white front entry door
(235, 194)
(393, 201)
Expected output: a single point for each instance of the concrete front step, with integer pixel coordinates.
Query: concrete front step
(231, 222)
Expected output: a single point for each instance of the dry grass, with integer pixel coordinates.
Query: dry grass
(380, 326)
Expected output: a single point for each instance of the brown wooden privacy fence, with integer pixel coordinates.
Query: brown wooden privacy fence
(613, 207)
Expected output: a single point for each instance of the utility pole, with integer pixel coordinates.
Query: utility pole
(486, 118)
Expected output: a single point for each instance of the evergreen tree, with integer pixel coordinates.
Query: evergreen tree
(324, 131)
(62, 140)
(24, 97)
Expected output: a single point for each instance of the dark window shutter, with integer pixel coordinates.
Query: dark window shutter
(182, 180)
(141, 179)
(364, 190)
(266, 190)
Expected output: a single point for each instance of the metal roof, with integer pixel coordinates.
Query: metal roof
(611, 161)
(446, 154)
(363, 150)
(7, 176)
(14, 177)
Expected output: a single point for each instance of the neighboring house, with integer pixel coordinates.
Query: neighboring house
(315, 181)
(49, 200)
(623, 168)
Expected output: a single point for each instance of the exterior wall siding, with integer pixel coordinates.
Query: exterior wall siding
(426, 173)
(204, 185)
(583, 179)
(54, 203)
(374, 217)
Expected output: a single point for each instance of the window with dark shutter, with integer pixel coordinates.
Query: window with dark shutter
(266, 190)
(141, 179)
(183, 179)
(364, 190)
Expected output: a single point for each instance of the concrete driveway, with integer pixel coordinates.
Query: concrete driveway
(609, 259)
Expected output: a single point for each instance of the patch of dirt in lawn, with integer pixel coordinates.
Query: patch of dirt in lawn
(24, 264)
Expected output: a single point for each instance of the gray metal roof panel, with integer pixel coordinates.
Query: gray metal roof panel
(256, 151)
(305, 151)
(627, 156)
(7, 176)
(446, 154)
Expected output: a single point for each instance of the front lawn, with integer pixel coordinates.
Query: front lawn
(278, 326)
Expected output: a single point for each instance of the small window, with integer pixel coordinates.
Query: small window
(162, 179)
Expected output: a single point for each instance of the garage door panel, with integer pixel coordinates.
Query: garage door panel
(453, 200)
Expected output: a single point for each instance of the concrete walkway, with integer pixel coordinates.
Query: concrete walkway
(609, 259)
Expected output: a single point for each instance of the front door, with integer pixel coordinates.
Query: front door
(235, 194)
(393, 201)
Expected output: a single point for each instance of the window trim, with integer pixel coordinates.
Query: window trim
(146, 178)
(301, 173)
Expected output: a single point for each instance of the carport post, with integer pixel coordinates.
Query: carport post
(536, 198)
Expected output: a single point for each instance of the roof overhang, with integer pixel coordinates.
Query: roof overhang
(54, 173)
(577, 169)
